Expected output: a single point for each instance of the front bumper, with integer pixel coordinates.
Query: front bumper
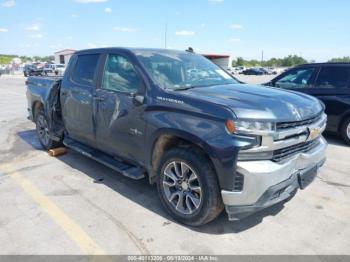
(267, 183)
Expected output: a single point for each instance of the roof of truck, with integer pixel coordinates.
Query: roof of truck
(130, 49)
(326, 64)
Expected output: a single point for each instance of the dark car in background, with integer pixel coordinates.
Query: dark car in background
(253, 71)
(32, 70)
(330, 82)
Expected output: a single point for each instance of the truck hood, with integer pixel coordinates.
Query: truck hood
(258, 102)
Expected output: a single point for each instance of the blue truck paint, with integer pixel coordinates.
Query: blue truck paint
(117, 124)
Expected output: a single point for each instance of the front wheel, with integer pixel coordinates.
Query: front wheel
(345, 131)
(42, 130)
(188, 187)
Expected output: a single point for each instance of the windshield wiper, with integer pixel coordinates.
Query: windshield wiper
(190, 87)
(183, 88)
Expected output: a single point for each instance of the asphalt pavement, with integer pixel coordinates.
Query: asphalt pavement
(73, 205)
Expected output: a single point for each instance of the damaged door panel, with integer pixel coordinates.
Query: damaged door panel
(119, 117)
(77, 99)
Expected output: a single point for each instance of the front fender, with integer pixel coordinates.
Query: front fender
(208, 134)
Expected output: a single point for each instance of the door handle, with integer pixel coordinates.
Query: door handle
(64, 93)
(98, 98)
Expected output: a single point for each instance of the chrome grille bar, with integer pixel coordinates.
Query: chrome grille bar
(284, 153)
(285, 125)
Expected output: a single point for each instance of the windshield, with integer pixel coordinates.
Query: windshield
(182, 70)
(60, 66)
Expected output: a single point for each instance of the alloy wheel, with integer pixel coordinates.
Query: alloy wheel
(182, 187)
(43, 130)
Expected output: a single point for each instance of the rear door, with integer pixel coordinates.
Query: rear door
(120, 127)
(332, 87)
(77, 101)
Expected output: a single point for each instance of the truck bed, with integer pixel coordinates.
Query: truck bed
(45, 91)
(43, 81)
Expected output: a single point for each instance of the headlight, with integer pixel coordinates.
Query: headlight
(250, 127)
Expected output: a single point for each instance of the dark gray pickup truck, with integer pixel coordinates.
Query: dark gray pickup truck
(178, 119)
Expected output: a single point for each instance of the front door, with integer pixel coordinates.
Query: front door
(120, 127)
(332, 87)
(298, 79)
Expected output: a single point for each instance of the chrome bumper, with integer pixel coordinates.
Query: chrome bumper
(260, 176)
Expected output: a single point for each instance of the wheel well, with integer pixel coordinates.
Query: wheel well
(165, 143)
(341, 122)
(36, 106)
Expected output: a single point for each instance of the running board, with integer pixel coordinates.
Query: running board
(105, 159)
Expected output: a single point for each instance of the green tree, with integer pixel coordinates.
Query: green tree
(6, 59)
(240, 61)
(345, 59)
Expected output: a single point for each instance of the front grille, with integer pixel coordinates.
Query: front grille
(281, 154)
(286, 125)
(238, 182)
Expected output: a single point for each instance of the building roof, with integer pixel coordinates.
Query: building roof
(65, 51)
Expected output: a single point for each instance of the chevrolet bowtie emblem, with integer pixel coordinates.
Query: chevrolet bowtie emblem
(135, 132)
(313, 133)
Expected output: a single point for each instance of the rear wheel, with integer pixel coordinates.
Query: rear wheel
(188, 187)
(42, 130)
(345, 131)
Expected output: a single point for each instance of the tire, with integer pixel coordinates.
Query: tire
(43, 131)
(25, 74)
(345, 130)
(201, 197)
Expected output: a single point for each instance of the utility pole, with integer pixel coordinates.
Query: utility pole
(262, 57)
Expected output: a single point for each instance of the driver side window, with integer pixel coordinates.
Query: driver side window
(297, 78)
(120, 75)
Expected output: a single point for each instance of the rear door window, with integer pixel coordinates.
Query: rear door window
(85, 68)
(333, 77)
(297, 78)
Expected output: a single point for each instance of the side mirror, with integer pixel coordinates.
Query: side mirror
(138, 98)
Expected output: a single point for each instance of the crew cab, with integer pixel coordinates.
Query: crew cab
(329, 82)
(184, 123)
